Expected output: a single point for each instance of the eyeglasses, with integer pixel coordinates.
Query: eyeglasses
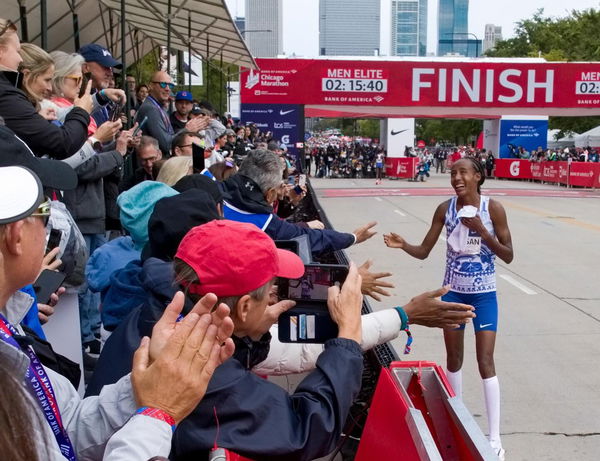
(43, 211)
(149, 159)
(76, 78)
(163, 85)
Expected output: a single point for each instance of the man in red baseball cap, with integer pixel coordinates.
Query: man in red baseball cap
(239, 263)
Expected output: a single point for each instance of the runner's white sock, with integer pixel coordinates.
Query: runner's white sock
(491, 391)
(455, 379)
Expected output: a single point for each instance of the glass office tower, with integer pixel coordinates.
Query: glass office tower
(409, 28)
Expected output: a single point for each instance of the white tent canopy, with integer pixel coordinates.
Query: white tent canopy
(589, 138)
(565, 141)
(213, 33)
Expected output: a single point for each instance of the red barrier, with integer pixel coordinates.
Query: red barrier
(401, 167)
(513, 168)
(585, 174)
(582, 174)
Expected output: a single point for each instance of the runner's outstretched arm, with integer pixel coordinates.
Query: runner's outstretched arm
(421, 251)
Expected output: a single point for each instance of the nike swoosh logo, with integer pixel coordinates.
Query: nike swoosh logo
(284, 112)
(486, 325)
(394, 133)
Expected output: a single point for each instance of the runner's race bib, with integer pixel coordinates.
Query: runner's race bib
(473, 246)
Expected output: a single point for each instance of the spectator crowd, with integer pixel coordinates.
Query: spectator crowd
(174, 267)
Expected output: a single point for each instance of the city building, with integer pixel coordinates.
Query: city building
(492, 35)
(240, 23)
(453, 30)
(263, 30)
(349, 27)
(409, 28)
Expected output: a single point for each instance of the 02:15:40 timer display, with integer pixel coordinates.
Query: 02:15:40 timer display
(360, 85)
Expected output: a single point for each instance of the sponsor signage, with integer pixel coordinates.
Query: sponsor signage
(529, 134)
(582, 174)
(474, 84)
(401, 167)
(285, 121)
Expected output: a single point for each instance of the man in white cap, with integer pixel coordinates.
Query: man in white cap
(132, 419)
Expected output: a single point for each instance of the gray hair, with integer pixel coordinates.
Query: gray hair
(146, 141)
(64, 64)
(264, 168)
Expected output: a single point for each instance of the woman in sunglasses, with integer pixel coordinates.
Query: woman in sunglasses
(155, 107)
(18, 109)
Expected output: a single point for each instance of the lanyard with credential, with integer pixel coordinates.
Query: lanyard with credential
(163, 114)
(40, 387)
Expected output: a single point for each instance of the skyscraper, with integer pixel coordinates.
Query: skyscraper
(492, 35)
(409, 28)
(349, 27)
(264, 28)
(453, 29)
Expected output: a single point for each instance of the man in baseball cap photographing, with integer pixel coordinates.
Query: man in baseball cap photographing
(239, 263)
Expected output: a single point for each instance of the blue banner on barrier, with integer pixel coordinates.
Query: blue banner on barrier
(285, 121)
(526, 134)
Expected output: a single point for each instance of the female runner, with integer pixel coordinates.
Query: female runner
(472, 277)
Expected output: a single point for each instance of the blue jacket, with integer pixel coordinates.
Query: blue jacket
(245, 203)
(257, 418)
(108, 258)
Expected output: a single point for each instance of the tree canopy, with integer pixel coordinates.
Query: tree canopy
(570, 38)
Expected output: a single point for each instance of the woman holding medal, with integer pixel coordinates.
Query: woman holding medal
(477, 231)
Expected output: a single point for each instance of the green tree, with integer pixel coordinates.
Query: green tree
(572, 38)
(452, 131)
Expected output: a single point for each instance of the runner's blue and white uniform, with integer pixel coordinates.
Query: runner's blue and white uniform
(472, 274)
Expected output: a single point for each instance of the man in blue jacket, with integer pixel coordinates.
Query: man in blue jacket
(253, 190)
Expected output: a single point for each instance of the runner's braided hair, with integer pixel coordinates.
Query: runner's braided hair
(478, 167)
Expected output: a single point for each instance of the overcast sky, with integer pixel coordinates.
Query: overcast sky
(301, 19)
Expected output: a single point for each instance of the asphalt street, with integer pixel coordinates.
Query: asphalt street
(548, 341)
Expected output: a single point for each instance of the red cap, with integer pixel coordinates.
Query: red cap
(232, 258)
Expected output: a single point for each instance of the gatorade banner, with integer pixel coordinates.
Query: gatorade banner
(402, 167)
(515, 168)
(580, 174)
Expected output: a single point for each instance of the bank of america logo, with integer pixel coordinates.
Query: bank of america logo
(378, 98)
(253, 79)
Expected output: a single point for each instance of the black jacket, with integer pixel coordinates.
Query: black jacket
(245, 195)
(257, 418)
(42, 136)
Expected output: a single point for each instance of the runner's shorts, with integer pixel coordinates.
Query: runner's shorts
(486, 308)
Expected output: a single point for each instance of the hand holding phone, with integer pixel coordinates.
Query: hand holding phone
(47, 283)
(138, 128)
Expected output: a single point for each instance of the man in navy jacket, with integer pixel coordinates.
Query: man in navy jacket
(254, 188)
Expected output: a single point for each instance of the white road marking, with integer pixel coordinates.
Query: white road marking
(379, 199)
(518, 285)
(400, 213)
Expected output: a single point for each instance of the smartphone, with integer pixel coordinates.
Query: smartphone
(197, 158)
(314, 284)
(302, 180)
(298, 190)
(115, 112)
(289, 245)
(140, 126)
(309, 320)
(84, 82)
(53, 240)
(46, 284)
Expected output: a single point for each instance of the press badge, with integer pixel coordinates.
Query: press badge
(473, 246)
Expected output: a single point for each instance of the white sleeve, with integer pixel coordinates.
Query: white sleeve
(90, 422)
(140, 439)
(289, 358)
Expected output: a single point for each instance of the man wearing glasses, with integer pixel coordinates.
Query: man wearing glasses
(155, 107)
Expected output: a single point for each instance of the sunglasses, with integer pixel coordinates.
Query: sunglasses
(163, 85)
(76, 78)
(43, 211)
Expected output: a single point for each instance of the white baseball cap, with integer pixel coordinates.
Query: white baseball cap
(21, 193)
